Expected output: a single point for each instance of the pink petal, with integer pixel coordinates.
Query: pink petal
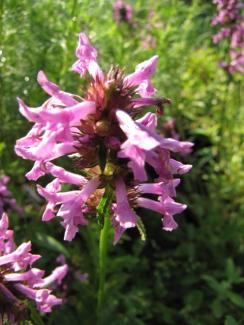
(143, 72)
(124, 215)
(53, 90)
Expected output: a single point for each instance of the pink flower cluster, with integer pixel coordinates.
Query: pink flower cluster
(122, 11)
(229, 16)
(7, 202)
(18, 279)
(111, 143)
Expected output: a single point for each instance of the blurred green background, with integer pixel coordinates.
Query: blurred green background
(193, 275)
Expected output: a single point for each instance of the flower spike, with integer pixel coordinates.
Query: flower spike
(110, 140)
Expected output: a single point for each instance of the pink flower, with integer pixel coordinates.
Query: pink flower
(71, 205)
(164, 189)
(17, 277)
(53, 90)
(87, 56)
(166, 206)
(179, 168)
(138, 143)
(64, 176)
(141, 77)
(43, 297)
(110, 141)
(56, 276)
(32, 276)
(124, 215)
(122, 11)
(118, 230)
(229, 16)
(51, 136)
(7, 244)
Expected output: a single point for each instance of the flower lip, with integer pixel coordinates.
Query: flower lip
(142, 72)
(53, 90)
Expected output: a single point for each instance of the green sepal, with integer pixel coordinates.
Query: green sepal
(141, 228)
(103, 207)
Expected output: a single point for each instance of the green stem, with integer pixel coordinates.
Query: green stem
(224, 118)
(103, 211)
(103, 245)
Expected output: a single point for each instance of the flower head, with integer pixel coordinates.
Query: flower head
(110, 139)
(229, 16)
(122, 11)
(18, 279)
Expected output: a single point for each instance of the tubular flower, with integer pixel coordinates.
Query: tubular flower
(229, 16)
(19, 280)
(109, 140)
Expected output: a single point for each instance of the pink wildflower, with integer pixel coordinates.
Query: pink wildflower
(165, 206)
(141, 77)
(122, 11)
(106, 133)
(18, 280)
(87, 56)
(229, 16)
(124, 215)
(71, 205)
(56, 276)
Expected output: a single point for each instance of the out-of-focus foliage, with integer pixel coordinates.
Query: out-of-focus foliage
(193, 275)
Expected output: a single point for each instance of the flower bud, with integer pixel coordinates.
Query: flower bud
(102, 127)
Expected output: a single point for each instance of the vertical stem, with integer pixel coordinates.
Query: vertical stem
(103, 244)
(103, 211)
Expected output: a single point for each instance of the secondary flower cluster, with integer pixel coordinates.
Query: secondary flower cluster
(122, 11)
(112, 144)
(7, 202)
(229, 16)
(19, 280)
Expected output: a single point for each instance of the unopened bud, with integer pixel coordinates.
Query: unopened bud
(102, 127)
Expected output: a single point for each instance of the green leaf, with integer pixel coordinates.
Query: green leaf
(236, 299)
(34, 314)
(231, 271)
(2, 146)
(229, 320)
(217, 308)
(213, 284)
(194, 299)
(51, 243)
